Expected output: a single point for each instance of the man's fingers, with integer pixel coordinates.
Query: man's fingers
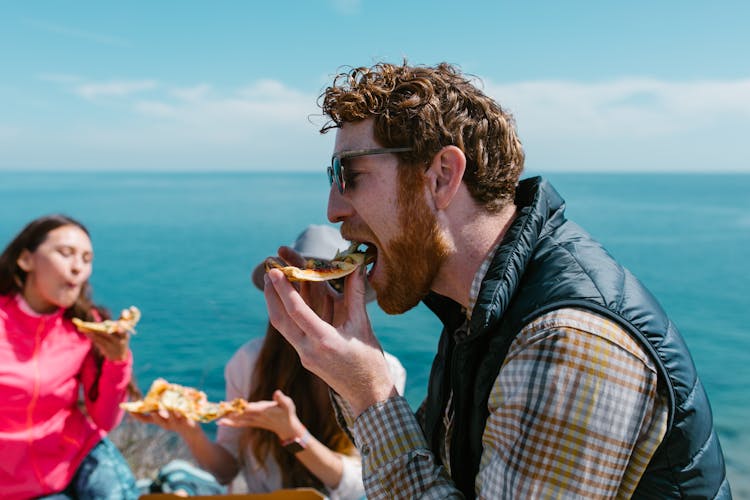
(327, 309)
(320, 296)
(357, 288)
(288, 312)
(291, 256)
(277, 313)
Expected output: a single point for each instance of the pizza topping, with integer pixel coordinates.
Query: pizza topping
(127, 321)
(187, 401)
(343, 264)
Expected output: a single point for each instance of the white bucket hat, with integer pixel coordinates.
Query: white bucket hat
(315, 242)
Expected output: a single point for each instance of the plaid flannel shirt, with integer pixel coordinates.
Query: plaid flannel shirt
(574, 412)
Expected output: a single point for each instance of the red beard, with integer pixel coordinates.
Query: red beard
(412, 260)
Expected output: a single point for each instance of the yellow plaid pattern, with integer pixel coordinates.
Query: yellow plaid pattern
(574, 413)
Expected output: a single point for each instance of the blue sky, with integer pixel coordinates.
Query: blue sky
(232, 85)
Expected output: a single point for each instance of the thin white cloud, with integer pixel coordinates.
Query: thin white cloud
(622, 125)
(75, 33)
(262, 103)
(116, 88)
(629, 107)
(267, 88)
(156, 109)
(192, 94)
(62, 78)
(347, 7)
(631, 124)
(263, 125)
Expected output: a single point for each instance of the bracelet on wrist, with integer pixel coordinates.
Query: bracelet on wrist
(297, 443)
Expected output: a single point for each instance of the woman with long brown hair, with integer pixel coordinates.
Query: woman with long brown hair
(52, 442)
(289, 437)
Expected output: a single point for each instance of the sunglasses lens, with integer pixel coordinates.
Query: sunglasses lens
(335, 175)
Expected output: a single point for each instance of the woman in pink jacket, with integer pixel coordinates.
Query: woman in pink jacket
(59, 389)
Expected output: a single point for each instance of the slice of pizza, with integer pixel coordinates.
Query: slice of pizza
(128, 319)
(187, 401)
(343, 264)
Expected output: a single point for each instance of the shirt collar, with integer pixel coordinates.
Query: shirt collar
(25, 308)
(476, 283)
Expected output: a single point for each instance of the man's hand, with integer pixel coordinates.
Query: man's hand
(332, 334)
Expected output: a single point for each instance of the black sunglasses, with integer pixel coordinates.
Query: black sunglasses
(336, 168)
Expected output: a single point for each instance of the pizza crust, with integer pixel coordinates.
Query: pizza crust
(128, 319)
(343, 264)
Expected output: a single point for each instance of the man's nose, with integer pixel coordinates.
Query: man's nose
(338, 205)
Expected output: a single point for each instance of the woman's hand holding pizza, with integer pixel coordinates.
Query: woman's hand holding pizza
(113, 346)
(169, 420)
(111, 337)
(278, 416)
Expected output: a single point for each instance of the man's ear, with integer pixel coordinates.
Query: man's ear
(445, 173)
(24, 261)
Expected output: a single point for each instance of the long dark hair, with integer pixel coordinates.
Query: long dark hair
(13, 278)
(279, 367)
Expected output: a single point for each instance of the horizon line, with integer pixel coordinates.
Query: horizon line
(525, 173)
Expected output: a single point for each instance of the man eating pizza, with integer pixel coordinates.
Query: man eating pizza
(557, 373)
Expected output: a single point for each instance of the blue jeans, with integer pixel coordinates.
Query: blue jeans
(103, 475)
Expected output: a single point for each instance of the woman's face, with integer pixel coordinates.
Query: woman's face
(57, 270)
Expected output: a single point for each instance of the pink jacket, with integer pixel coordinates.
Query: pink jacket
(44, 434)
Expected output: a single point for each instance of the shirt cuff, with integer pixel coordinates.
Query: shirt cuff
(386, 431)
(350, 485)
(344, 414)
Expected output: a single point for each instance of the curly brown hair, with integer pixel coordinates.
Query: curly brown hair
(428, 108)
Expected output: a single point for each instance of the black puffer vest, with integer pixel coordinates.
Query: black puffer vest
(545, 263)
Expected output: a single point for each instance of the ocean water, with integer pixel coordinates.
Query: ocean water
(181, 247)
